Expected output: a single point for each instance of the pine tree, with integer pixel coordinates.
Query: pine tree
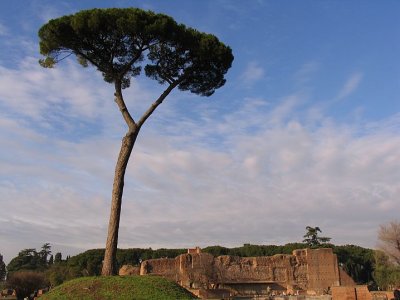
(3, 270)
(120, 43)
(312, 239)
(58, 257)
(51, 260)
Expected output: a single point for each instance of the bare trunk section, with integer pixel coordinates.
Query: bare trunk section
(109, 266)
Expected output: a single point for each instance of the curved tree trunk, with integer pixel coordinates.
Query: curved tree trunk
(109, 266)
(109, 262)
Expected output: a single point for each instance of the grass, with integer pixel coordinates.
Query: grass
(118, 288)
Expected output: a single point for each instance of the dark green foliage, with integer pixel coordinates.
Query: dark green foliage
(312, 239)
(249, 250)
(387, 277)
(216, 250)
(27, 259)
(89, 262)
(26, 282)
(60, 272)
(386, 272)
(3, 270)
(119, 288)
(45, 252)
(30, 259)
(116, 41)
(57, 258)
(357, 261)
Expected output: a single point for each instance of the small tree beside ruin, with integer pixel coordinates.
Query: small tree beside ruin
(387, 258)
(119, 43)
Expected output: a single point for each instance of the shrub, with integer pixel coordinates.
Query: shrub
(26, 282)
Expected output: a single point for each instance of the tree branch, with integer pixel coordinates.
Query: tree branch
(156, 103)
(133, 60)
(88, 59)
(122, 107)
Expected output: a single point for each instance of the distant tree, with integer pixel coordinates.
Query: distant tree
(312, 239)
(381, 258)
(387, 259)
(45, 252)
(88, 262)
(57, 274)
(26, 282)
(51, 260)
(30, 259)
(3, 270)
(60, 272)
(389, 240)
(255, 250)
(384, 270)
(216, 250)
(357, 261)
(27, 259)
(58, 257)
(387, 277)
(116, 42)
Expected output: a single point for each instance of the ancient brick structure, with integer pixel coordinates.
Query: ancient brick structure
(311, 271)
(194, 250)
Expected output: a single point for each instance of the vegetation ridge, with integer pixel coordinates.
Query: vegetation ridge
(118, 287)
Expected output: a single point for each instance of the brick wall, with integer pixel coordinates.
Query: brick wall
(343, 293)
(322, 270)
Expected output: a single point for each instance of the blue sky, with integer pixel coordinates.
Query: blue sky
(304, 133)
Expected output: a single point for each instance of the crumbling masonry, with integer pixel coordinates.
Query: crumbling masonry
(311, 271)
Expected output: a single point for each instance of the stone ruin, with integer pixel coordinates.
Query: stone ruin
(306, 271)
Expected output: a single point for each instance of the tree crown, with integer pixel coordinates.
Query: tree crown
(118, 41)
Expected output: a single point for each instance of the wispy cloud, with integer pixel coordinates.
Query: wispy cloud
(350, 86)
(306, 72)
(252, 73)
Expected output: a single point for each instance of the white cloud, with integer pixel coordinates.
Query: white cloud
(253, 73)
(350, 86)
